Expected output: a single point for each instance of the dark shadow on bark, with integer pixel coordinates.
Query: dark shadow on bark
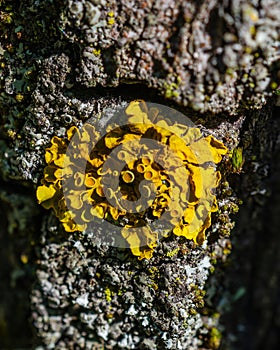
(254, 265)
(17, 266)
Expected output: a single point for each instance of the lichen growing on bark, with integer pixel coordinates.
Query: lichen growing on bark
(208, 57)
(188, 158)
(207, 49)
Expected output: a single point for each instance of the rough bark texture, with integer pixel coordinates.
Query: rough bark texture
(65, 61)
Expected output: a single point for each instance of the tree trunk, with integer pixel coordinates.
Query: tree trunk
(63, 62)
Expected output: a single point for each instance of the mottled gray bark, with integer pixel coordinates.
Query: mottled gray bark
(63, 62)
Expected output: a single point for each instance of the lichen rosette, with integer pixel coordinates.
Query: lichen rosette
(171, 186)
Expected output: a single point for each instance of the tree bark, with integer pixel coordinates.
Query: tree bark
(63, 62)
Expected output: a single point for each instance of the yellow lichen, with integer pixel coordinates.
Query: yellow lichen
(111, 19)
(108, 294)
(19, 97)
(173, 252)
(96, 52)
(187, 205)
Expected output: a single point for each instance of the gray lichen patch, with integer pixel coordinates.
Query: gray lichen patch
(50, 112)
(101, 295)
(199, 56)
